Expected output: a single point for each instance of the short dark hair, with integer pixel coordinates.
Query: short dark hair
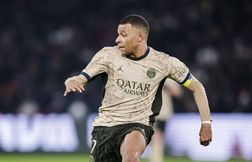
(136, 20)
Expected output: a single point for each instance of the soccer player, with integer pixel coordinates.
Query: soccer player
(170, 89)
(134, 74)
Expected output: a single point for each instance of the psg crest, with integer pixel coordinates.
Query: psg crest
(151, 73)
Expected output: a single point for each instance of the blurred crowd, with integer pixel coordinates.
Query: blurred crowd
(44, 42)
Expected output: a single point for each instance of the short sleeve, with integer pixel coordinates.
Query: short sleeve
(98, 64)
(178, 70)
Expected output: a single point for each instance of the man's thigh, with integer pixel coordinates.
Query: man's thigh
(106, 141)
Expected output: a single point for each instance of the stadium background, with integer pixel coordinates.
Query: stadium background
(44, 42)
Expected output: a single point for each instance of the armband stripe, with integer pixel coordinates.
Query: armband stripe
(187, 81)
(187, 76)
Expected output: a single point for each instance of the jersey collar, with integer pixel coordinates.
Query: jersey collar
(139, 58)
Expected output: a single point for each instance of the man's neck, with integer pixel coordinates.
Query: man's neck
(140, 51)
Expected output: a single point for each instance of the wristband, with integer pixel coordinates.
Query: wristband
(207, 122)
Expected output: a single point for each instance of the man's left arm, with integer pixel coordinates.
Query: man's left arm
(201, 100)
(181, 73)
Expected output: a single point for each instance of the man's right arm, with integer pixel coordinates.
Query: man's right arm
(97, 65)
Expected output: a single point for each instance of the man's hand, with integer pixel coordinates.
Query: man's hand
(205, 134)
(73, 84)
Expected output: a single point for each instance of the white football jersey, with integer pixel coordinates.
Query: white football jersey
(133, 86)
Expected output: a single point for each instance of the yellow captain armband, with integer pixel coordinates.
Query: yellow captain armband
(187, 80)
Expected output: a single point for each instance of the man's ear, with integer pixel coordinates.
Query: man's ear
(140, 37)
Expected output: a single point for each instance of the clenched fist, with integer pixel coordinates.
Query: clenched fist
(205, 134)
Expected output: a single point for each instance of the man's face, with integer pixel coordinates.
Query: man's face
(128, 38)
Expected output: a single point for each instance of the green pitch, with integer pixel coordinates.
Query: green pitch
(40, 157)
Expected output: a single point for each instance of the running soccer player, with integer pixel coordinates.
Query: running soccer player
(134, 74)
